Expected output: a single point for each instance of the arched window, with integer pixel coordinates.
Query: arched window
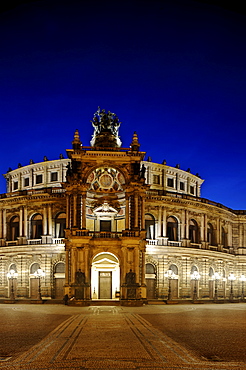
(174, 269)
(14, 228)
(13, 267)
(150, 226)
(35, 266)
(36, 226)
(210, 235)
(224, 238)
(193, 231)
(172, 229)
(60, 225)
(60, 267)
(193, 269)
(150, 269)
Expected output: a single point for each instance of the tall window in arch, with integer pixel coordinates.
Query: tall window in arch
(150, 226)
(193, 269)
(193, 231)
(35, 266)
(60, 267)
(210, 235)
(150, 269)
(36, 226)
(224, 238)
(60, 225)
(174, 269)
(14, 228)
(172, 229)
(13, 267)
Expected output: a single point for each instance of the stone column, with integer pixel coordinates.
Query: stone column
(84, 210)
(113, 224)
(136, 264)
(159, 222)
(45, 175)
(80, 212)
(4, 224)
(124, 267)
(182, 224)
(73, 264)
(49, 220)
(87, 267)
(21, 222)
(143, 268)
(229, 235)
(45, 221)
(164, 222)
(1, 223)
(25, 222)
(218, 236)
(74, 210)
(187, 224)
(205, 228)
(68, 212)
(127, 213)
(240, 236)
(67, 277)
(177, 181)
(136, 211)
(143, 213)
(202, 228)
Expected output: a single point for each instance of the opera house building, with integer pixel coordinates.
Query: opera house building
(104, 224)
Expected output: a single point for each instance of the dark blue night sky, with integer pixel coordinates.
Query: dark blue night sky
(174, 71)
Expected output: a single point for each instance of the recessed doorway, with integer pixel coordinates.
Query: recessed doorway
(105, 276)
(105, 285)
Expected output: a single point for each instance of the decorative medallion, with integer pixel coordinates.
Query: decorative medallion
(106, 179)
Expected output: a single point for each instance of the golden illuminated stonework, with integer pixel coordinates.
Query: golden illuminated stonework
(104, 224)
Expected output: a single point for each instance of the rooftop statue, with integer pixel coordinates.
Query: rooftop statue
(106, 129)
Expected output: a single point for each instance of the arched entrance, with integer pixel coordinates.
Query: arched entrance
(105, 276)
(59, 276)
(172, 229)
(12, 276)
(174, 282)
(34, 281)
(150, 281)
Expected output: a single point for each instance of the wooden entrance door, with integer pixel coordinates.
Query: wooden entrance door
(59, 290)
(34, 288)
(211, 289)
(105, 285)
(13, 285)
(150, 283)
(174, 288)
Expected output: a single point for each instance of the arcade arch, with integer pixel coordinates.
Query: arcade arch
(105, 276)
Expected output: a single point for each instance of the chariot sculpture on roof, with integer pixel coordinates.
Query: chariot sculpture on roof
(105, 125)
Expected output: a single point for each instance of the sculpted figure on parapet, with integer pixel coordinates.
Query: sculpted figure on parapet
(103, 121)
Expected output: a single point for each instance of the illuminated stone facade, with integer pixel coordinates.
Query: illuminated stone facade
(105, 224)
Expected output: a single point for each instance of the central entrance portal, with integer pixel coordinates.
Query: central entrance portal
(105, 285)
(105, 276)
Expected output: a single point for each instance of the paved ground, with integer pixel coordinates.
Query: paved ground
(149, 337)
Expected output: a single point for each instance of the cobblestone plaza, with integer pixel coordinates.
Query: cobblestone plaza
(209, 336)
